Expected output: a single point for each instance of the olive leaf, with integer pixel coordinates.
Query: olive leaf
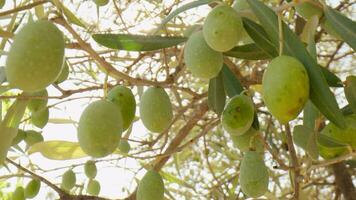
(136, 42)
(305, 138)
(350, 92)
(181, 9)
(216, 94)
(58, 150)
(343, 26)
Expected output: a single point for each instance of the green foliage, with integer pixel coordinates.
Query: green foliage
(350, 92)
(33, 137)
(222, 28)
(156, 109)
(18, 194)
(202, 61)
(253, 175)
(36, 56)
(58, 150)
(216, 94)
(346, 135)
(238, 114)
(100, 128)
(136, 42)
(151, 187)
(32, 188)
(90, 169)
(309, 9)
(329, 148)
(125, 100)
(285, 88)
(305, 137)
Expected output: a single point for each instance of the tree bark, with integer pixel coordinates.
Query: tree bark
(343, 181)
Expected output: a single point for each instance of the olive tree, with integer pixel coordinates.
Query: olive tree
(209, 99)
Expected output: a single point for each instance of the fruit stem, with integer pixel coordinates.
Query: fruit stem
(294, 161)
(280, 32)
(105, 87)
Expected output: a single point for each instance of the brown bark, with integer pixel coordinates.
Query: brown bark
(343, 181)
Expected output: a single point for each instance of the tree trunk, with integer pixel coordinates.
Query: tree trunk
(343, 181)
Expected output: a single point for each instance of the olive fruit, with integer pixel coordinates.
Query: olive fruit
(90, 169)
(124, 146)
(248, 140)
(201, 60)
(36, 56)
(346, 135)
(64, 74)
(156, 109)
(100, 128)
(125, 100)
(40, 118)
(101, 2)
(285, 86)
(18, 194)
(253, 175)
(36, 104)
(238, 115)
(222, 28)
(32, 188)
(151, 187)
(68, 180)
(93, 187)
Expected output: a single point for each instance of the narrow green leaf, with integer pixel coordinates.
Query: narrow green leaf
(305, 138)
(61, 121)
(183, 8)
(308, 35)
(231, 84)
(173, 179)
(248, 52)
(2, 75)
(136, 42)
(258, 34)
(310, 114)
(69, 14)
(216, 94)
(15, 113)
(58, 150)
(343, 26)
(350, 92)
(331, 78)
(320, 93)
(329, 148)
(9, 126)
(346, 110)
